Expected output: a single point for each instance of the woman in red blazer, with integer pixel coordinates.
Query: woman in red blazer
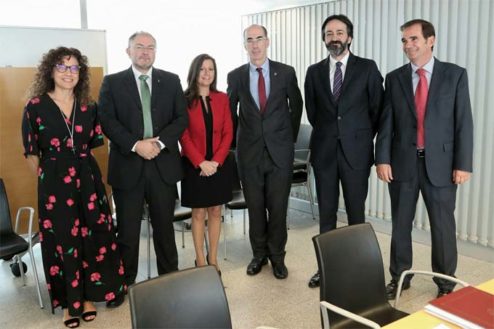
(207, 184)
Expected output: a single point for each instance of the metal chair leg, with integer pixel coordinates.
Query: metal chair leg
(311, 199)
(149, 247)
(183, 234)
(224, 232)
(36, 279)
(244, 220)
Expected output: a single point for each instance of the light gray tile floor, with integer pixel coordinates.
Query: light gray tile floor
(255, 301)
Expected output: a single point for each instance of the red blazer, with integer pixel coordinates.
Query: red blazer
(193, 139)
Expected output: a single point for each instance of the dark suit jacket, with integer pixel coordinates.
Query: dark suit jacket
(448, 125)
(121, 118)
(277, 128)
(353, 120)
(193, 139)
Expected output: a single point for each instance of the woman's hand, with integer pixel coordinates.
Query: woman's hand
(33, 161)
(208, 168)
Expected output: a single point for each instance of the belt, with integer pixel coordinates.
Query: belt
(421, 153)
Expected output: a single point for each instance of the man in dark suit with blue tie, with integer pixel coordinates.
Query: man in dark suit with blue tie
(269, 111)
(343, 99)
(143, 113)
(425, 143)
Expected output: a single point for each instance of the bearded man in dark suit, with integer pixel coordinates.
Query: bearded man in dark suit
(343, 98)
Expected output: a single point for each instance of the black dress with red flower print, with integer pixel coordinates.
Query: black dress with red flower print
(80, 255)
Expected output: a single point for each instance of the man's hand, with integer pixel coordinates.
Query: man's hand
(148, 148)
(384, 172)
(460, 176)
(208, 168)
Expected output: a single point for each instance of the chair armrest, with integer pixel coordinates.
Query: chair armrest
(355, 317)
(30, 227)
(429, 273)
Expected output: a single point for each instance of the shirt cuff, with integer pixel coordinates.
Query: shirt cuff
(162, 146)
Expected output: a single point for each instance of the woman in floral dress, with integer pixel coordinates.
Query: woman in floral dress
(60, 127)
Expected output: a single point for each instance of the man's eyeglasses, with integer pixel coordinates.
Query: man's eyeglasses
(63, 68)
(141, 48)
(252, 41)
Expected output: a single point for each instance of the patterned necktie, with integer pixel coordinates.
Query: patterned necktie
(261, 89)
(146, 107)
(420, 106)
(338, 81)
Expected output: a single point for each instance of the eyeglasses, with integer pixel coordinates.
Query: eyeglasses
(141, 48)
(63, 68)
(251, 41)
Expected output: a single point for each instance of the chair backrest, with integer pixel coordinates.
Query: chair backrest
(352, 270)
(5, 221)
(303, 142)
(191, 298)
(236, 184)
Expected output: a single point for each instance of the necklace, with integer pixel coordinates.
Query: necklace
(71, 129)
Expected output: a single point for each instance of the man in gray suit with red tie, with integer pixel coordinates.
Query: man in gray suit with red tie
(269, 111)
(343, 98)
(424, 143)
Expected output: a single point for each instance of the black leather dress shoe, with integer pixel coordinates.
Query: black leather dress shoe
(392, 288)
(443, 291)
(314, 281)
(279, 270)
(116, 302)
(256, 265)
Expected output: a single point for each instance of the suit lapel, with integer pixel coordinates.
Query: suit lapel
(245, 81)
(273, 80)
(436, 78)
(405, 78)
(349, 75)
(324, 79)
(131, 85)
(155, 87)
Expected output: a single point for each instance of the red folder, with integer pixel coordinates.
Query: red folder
(468, 307)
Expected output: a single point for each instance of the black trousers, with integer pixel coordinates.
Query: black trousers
(129, 207)
(266, 190)
(440, 204)
(354, 184)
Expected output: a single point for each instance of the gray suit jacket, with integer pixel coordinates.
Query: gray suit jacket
(448, 125)
(277, 128)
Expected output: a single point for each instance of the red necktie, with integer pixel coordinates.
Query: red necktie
(420, 106)
(261, 89)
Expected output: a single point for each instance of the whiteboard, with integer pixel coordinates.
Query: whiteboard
(24, 46)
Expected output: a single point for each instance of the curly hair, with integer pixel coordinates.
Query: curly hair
(192, 91)
(43, 80)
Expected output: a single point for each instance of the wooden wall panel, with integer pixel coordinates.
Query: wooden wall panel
(20, 182)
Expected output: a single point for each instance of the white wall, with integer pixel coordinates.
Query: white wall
(183, 29)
